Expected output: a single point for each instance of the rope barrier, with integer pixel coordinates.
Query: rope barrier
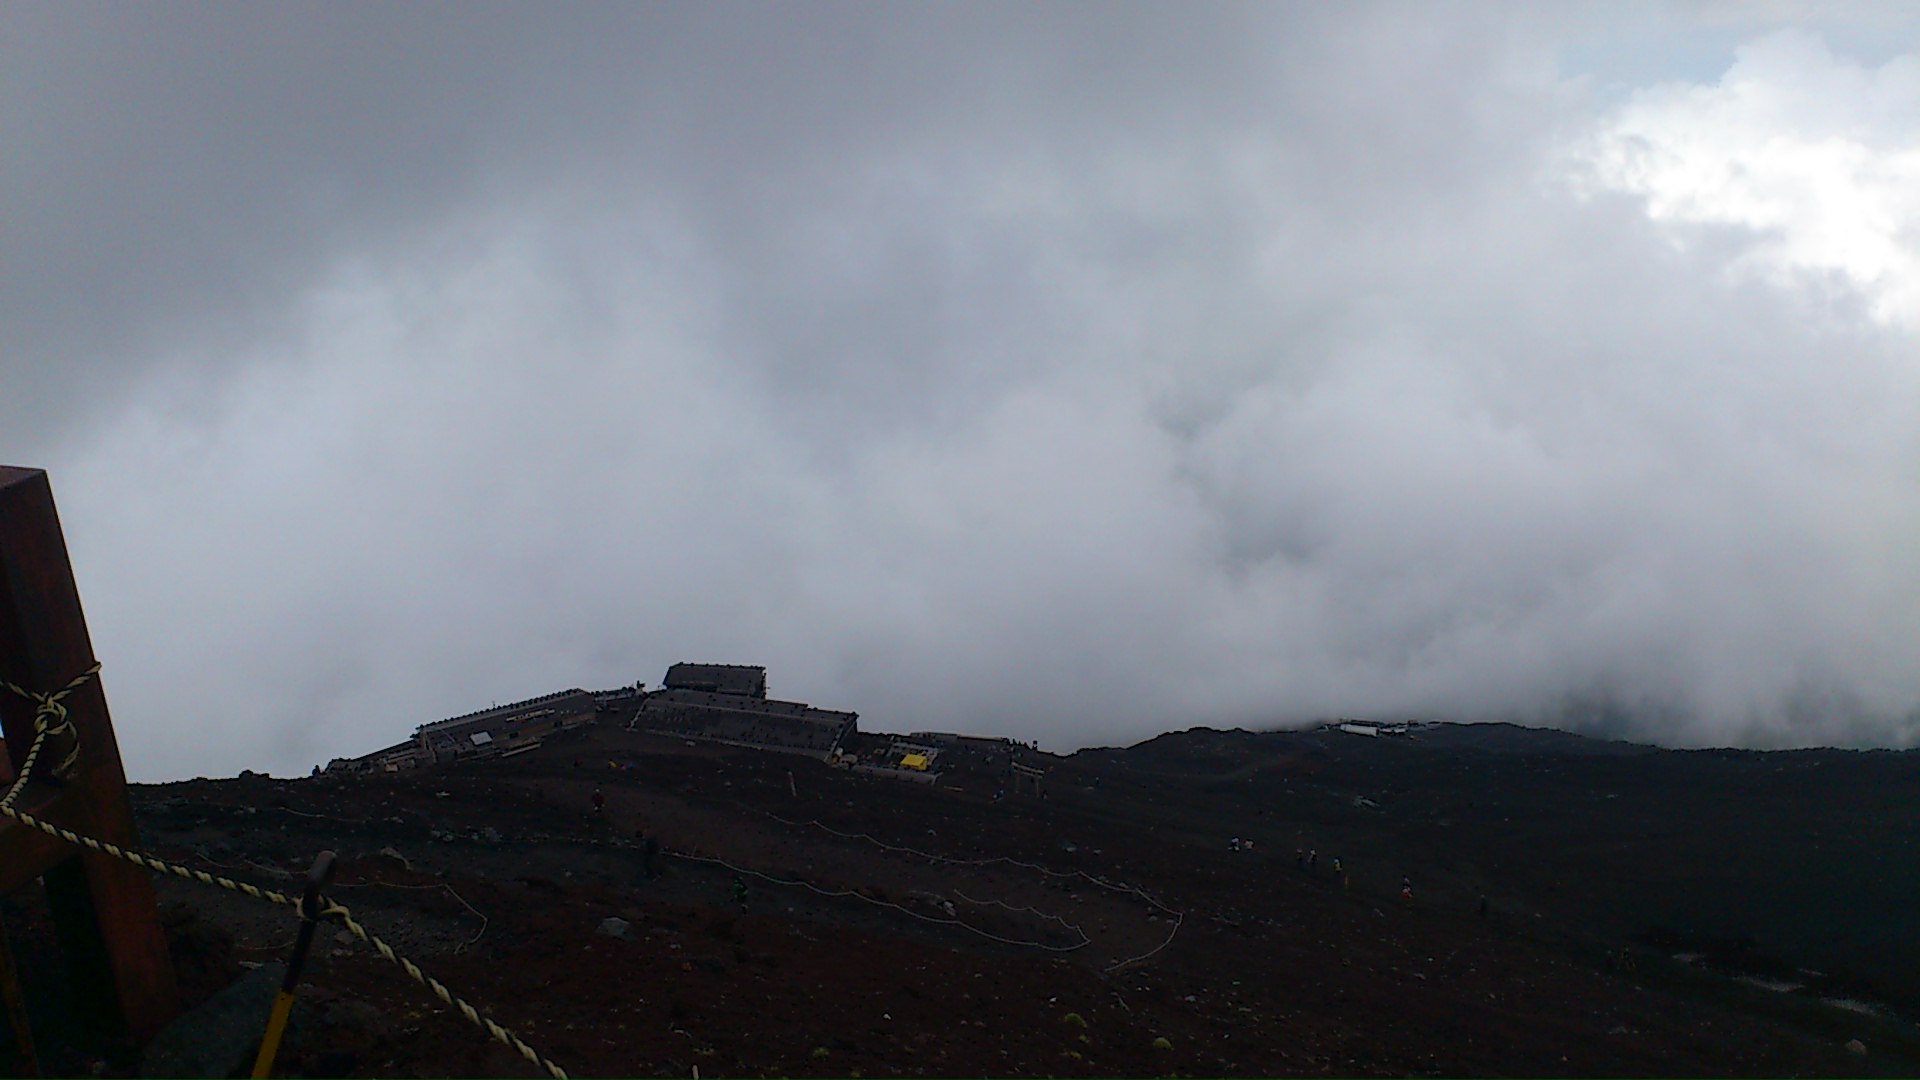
(441, 885)
(1036, 912)
(717, 861)
(1179, 917)
(961, 923)
(1008, 860)
(50, 717)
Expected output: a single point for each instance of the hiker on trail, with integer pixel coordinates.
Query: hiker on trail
(1336, 866)
(1300, 858)
(599, 801)
(1233, 844)
(740, 892)
(649, 854)
(1406, 889)
(1313, 858)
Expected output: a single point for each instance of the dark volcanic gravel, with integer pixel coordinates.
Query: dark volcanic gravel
(960, 936)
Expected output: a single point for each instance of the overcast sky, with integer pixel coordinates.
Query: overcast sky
(1074, 372)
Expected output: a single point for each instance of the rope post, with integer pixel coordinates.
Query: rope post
(104, 910)
(317, 879)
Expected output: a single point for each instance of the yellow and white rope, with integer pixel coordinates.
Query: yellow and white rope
(50, 717)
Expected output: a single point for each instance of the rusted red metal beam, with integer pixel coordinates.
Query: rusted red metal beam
(104, 910)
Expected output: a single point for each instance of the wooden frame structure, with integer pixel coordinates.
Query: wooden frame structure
(1026, 774)
(104, 910)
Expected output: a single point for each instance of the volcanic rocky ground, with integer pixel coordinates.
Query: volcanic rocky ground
(1648, 912)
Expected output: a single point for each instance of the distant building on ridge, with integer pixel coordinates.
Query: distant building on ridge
(728, 703)
(494, 732)
(725, 703)
(737, 679)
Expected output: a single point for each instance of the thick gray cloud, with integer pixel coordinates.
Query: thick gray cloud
(1066, 372)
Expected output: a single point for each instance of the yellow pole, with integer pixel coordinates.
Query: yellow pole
(317, 878)
(276, 1026)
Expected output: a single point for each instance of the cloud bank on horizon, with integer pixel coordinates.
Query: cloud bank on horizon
(1070, 373)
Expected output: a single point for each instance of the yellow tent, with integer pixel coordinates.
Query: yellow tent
(914, 761)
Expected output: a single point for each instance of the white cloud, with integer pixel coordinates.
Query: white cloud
(1119, 378)
(1819, 154)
